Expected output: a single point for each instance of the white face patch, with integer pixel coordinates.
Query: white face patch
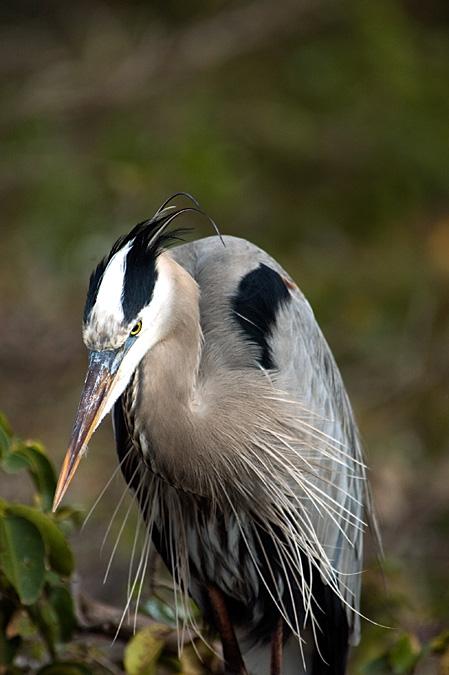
(156, 324)
(108, 304)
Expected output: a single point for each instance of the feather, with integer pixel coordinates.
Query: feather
(254, 478)
(235, 434)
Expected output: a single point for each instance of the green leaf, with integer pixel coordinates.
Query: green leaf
(160, 611)
(144, 649)
(4, 425)
(440, 643)
(22, 557)
(164, 613)
(59, 553)
(4, 442)
(62, 604)
(46, 620)
(41, 469)
(12, 462)
(377, 666)
(405, 654)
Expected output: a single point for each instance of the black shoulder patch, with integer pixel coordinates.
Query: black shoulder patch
(260, 295)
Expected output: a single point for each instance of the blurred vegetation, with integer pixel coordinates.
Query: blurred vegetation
(317, 129)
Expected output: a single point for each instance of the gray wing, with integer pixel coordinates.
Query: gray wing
(309, 371)
(278, 324)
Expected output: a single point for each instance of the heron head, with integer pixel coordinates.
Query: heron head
(127, 312)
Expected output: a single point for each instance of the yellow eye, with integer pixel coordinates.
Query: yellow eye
(137, 328)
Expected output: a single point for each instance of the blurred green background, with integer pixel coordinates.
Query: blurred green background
(317, 129)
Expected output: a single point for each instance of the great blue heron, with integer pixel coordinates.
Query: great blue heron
(234, 431)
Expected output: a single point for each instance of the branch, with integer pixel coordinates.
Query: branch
(93, 616)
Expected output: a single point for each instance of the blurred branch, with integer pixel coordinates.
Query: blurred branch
(164, 58)
(98, 617)
(210, 43)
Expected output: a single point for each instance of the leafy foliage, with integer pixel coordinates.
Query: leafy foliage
(36, 606)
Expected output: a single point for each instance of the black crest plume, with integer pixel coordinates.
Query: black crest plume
(148, 238)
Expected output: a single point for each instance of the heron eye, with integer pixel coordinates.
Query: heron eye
(136, 330)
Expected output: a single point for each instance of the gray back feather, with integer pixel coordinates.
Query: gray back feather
(292, 429)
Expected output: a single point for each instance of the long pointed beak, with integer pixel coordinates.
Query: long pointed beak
(97, 390)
